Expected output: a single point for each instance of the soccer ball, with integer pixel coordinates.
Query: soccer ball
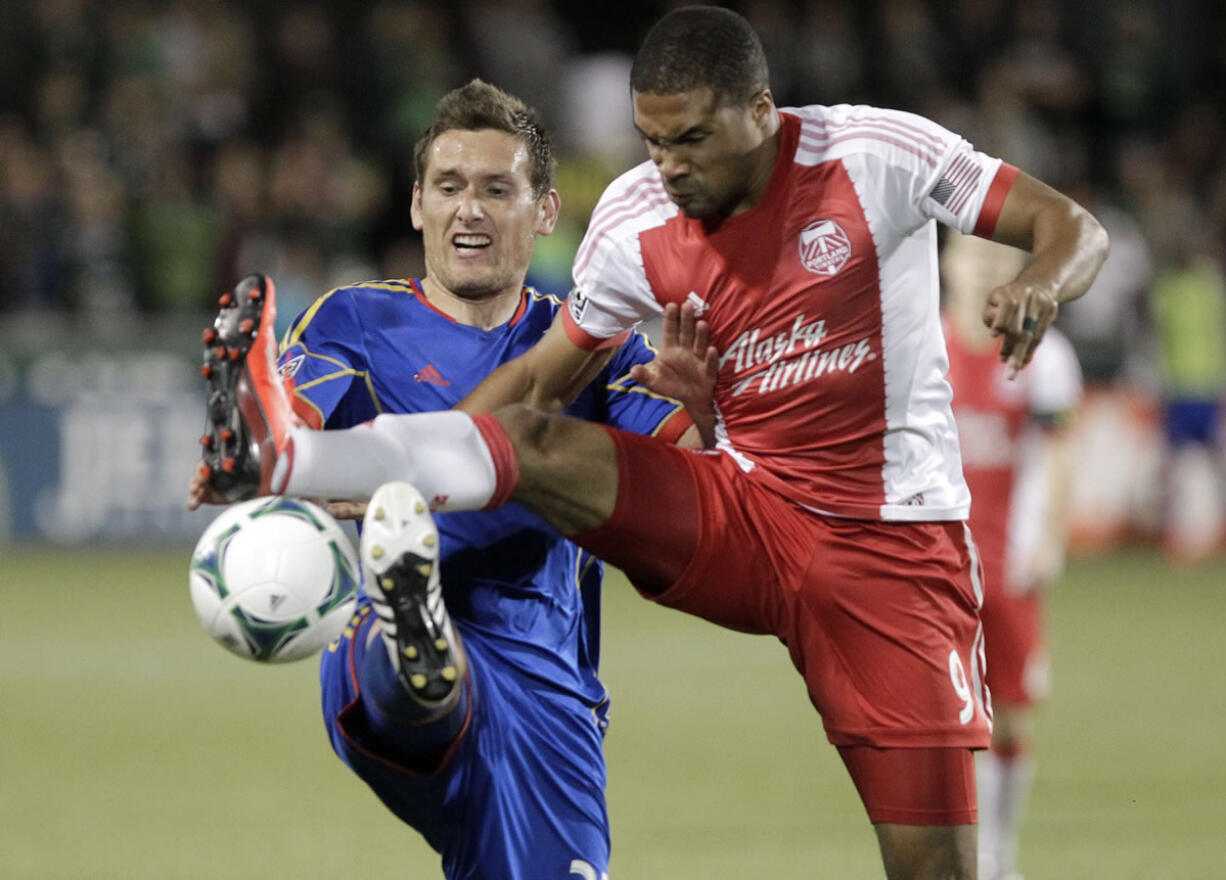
(274, 579)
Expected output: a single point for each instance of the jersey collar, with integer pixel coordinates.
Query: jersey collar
(415, 284)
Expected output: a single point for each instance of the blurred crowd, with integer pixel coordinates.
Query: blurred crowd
(153, 151)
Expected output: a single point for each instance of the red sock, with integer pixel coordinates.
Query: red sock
(502, 451)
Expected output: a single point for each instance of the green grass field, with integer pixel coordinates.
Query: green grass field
(133, 748)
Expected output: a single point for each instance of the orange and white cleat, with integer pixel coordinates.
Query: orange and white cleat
(248, 415)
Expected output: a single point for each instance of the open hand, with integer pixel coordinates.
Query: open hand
(686, 363)
(685, 366)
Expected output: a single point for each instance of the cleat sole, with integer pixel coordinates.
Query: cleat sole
(230, 455)
(399, 549)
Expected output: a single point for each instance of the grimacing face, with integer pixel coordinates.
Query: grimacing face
(703, 149)
(477, 214)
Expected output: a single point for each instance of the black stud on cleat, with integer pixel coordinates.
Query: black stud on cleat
(229, 450)
(400, 559)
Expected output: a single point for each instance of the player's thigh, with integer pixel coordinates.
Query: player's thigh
(922, 805)
(691, 532)
(567, 467)
(885, 629)
(925, 787)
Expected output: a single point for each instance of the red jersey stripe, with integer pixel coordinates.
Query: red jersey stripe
(995, 200)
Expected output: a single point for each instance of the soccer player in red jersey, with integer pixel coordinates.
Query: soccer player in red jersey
(793, 255)
(1013, 437)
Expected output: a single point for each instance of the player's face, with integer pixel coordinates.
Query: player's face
(477, 214)
(709, 153)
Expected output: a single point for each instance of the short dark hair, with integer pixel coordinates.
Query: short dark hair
(697, 46)
(478, 106)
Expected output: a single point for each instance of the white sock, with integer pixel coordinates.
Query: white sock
(1004, 790)
(1015, 783)
(441, 453)
(987, 785)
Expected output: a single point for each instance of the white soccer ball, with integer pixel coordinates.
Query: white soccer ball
(274, 579)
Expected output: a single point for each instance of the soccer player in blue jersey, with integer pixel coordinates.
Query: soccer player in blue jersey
(469, 703)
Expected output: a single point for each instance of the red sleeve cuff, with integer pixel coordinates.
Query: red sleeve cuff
(995, 200)
(671, 429)
(586, 341)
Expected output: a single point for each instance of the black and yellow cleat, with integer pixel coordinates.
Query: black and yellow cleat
(400, 560)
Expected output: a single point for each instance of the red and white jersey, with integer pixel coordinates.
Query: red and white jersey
(998, 422)
(822, 299)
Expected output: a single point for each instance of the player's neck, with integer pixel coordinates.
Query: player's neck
(765, 158)
(485, 313)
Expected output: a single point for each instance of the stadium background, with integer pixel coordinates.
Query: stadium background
(151, 153)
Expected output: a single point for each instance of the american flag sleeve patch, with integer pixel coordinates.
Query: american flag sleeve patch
(957, 184)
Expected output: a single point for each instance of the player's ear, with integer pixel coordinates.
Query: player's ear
(548, 207)
(415, 207)
(761, 106)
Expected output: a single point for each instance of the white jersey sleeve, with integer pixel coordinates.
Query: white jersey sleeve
(921, 170)
(961, 188)
(611, 293)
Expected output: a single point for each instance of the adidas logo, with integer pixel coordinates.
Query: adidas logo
(429, 374)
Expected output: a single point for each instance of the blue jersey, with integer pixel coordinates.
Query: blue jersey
(508, 578)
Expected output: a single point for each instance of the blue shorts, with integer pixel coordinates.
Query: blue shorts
(519, 795)
(1192, 421)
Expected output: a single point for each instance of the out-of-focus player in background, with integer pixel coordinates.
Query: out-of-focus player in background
(1013, 436)
(470, 705)
(831, 512)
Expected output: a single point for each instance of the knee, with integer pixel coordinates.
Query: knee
(533, 432)
(928, 852)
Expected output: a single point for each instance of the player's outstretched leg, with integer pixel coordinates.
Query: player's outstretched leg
(248, 414)
(400, 559)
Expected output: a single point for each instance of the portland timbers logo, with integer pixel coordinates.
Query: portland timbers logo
(824, 247)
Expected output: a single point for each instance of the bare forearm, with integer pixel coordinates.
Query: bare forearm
(1067, 244)
(510, 383)
(1069, 248)
(549, 376)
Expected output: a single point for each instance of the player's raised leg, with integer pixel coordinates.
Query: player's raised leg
(252, 446)
(396, 685)
(564, 469)
(400, 561)
(248, 414)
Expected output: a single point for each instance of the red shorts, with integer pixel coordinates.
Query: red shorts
(881, 618)
(1019, 672)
